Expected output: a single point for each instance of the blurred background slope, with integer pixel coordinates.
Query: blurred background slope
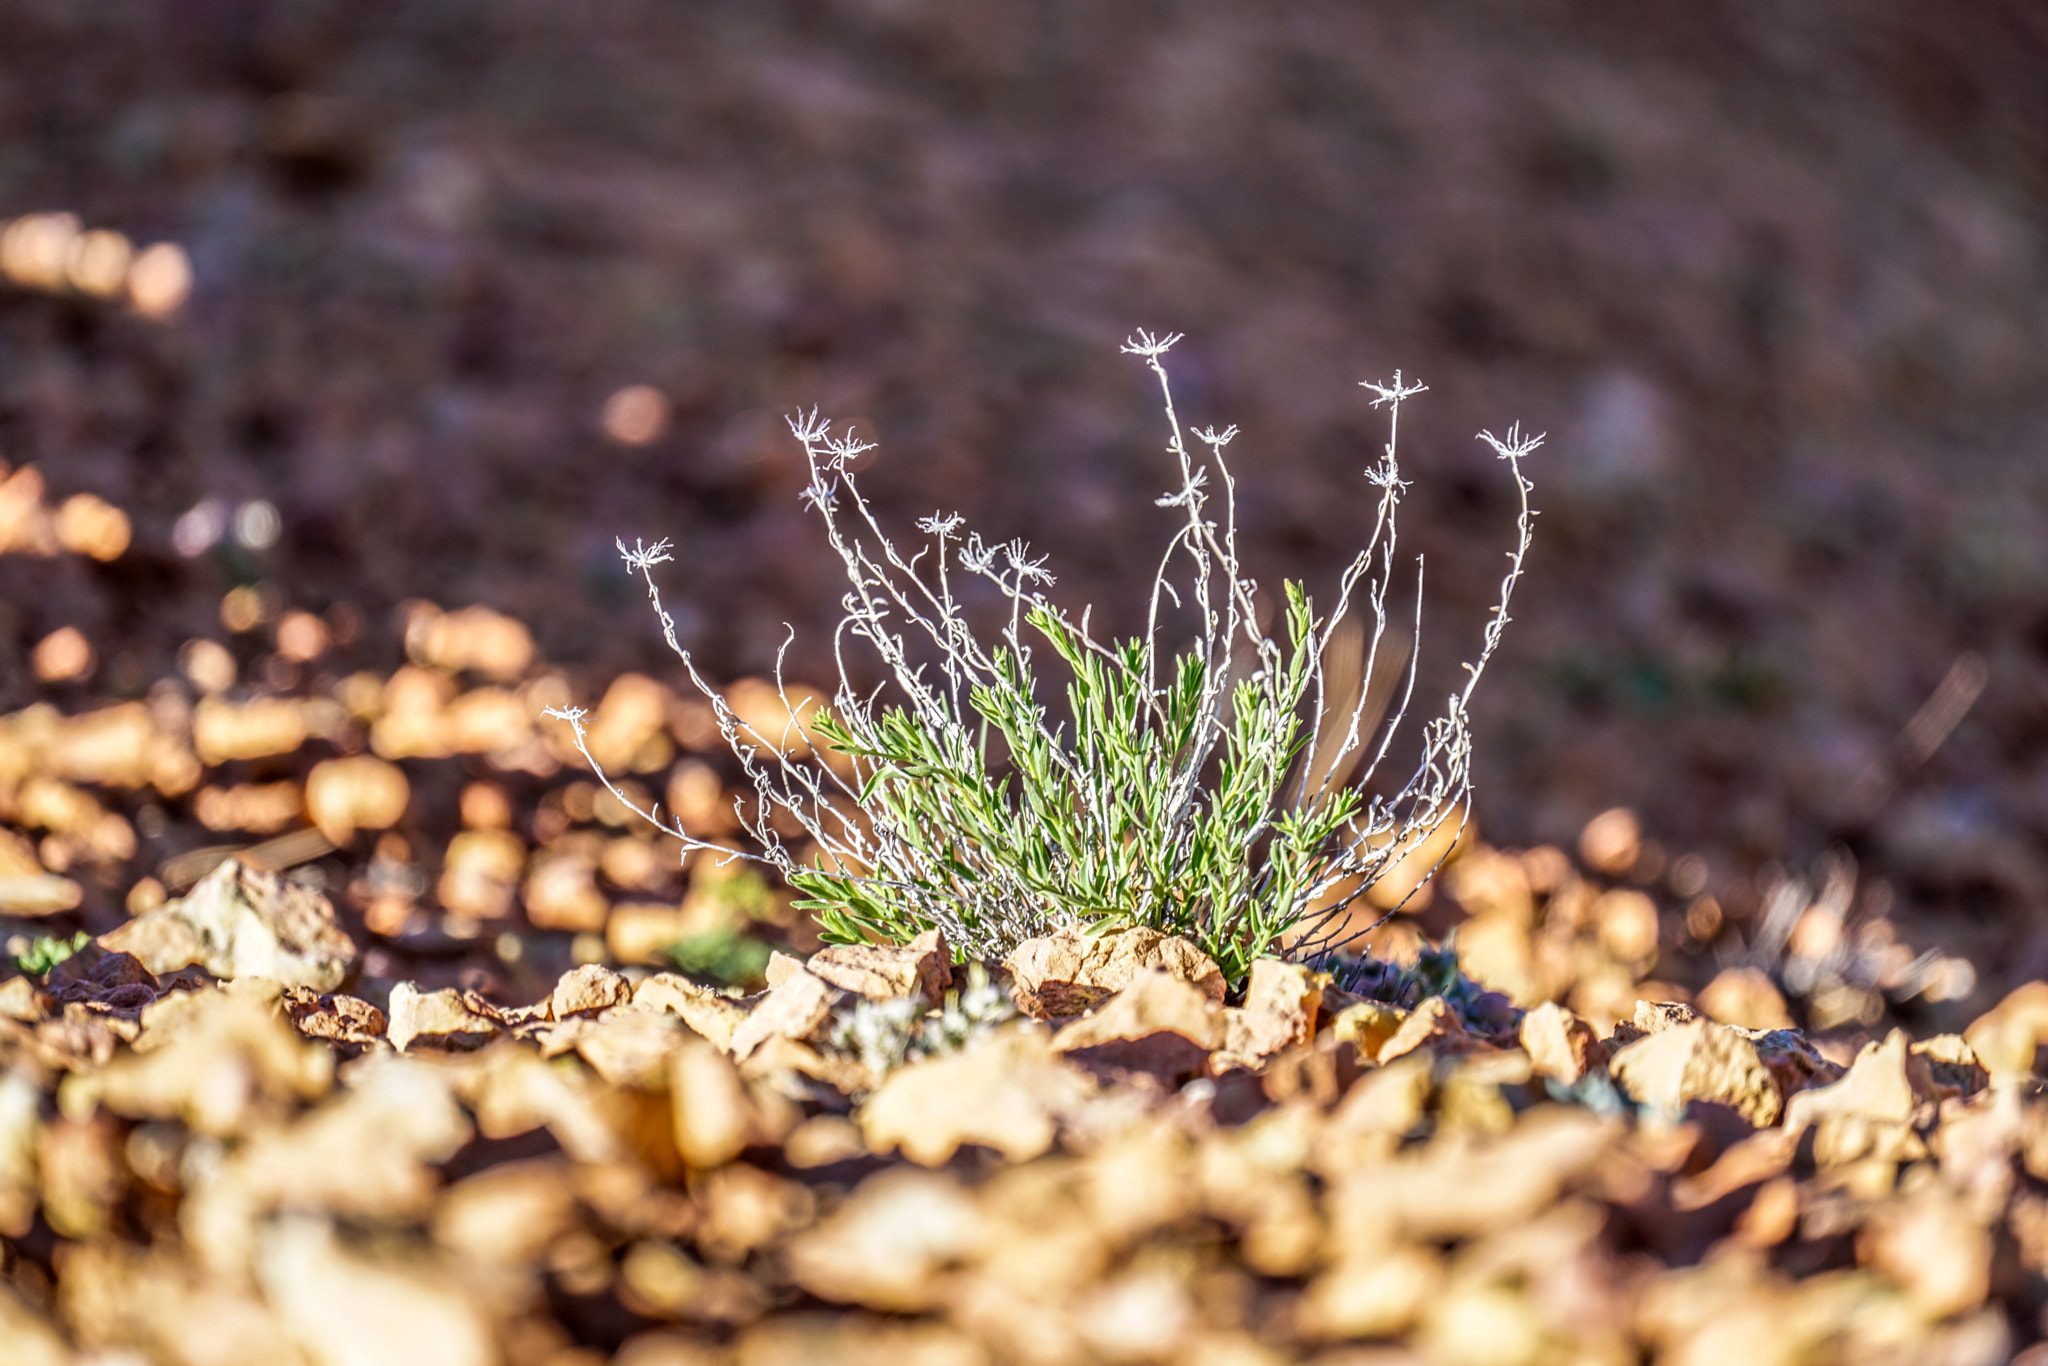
(1772, 278)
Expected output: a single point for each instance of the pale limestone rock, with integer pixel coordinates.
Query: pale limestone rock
(21, 1127)
(1138, 1316)
(225, 731)
(624, 1048)
(1560, 1045)
(1932, 1246)
(446, 1018)
(778, 1062)
(1874, 1088)
(370, 1153)
(508, 1214)
(1628, 926)
(1071, 971)
(1376, 1293)
(644, 931)
(1868, 1112)
(714, 1016)
(1470, 1096)
(921, 968)
(1978, 1138)
(1389, 1100)
(1660, 1069)
(1462, 1186)
(187, 1318)
(588, 989)
(369, 1156)
(355, 793)
(1724, 1311)
(1009, 1092)
(243, 922)
(743, 1208)
(561, 893)
(797, 1008)
(1141, 1178)
(664, 1347)
(1474, 1323)
(346, 1311)
(1153, 1001)
(37, 894)
(712, 1112)
(1367, 1026)
(1764, 1156)
(890, 1244)
(1279, 1012)
(1653, 1017)
(335, 1018)
(480, 873)
(1433, 1025)
(212, 1059)
(30, 1339)
(1754, 1071)
(17, 856)
(822, 1141)
(2004, 1038)
(19, 1000)
(1158, 1024)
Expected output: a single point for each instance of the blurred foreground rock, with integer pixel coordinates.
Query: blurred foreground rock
(193, 1172)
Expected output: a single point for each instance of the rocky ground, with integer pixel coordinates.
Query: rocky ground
(346, 1017)
(1084, 1153)
(343, 1016)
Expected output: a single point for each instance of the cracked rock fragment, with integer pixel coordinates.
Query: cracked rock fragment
(587, 990)
(1159, 1024)
(1753, 1071)
(445, 1019)
(882, 972)
(243, 922)
(714, 1016)
(1066, 973)
(795, 1008)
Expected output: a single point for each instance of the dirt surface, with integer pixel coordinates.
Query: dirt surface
(395, 314)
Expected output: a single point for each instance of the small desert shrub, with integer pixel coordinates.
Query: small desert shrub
(1227, 789)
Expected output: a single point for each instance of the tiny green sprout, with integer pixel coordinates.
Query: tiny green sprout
(45, 952)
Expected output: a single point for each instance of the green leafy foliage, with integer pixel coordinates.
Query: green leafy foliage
(725, 955)
(45, 952)
(1106, 820)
